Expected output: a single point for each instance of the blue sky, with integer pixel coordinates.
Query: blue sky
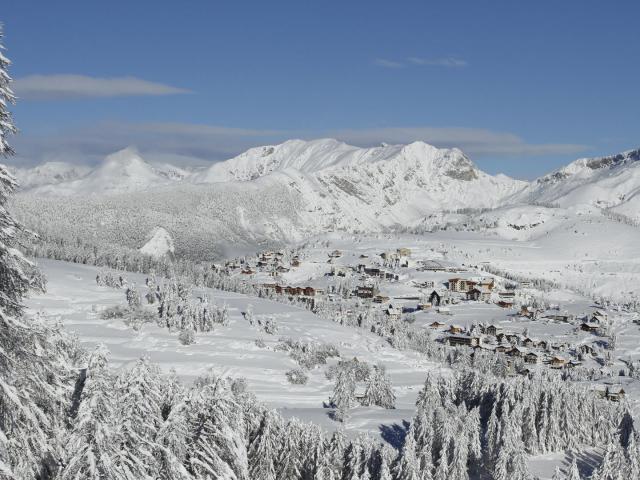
(521, 87)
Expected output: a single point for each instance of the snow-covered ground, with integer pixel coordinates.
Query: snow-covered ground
(74, 298)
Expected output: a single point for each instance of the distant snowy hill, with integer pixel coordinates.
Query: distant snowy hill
(50, 173)
(604, 182)
(123, 171)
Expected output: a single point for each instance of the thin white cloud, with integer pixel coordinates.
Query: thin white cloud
(474, 141)
(64, 86)
(446, 62)
(384, 63)
(451, 62)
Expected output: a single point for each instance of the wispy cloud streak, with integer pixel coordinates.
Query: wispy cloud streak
(66, 86)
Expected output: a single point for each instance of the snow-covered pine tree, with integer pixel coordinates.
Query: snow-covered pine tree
(574, 473)
(217, 444)
(288, 453)
(407, 467)
(35, 378)
(379, 390)
(93, 445)
(171, 446)
(6, 97)
(133, 296)
(343, 397)
(263, 449)
(139, 416)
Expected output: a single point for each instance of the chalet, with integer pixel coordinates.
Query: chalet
(543, 344)
(487, 283)
(560, 317)
(444, 311)
(423, 306)
(493, 330)
(515, 352)
(468, 340)
(338, 271)
(589, 327)
(380, 299)
(532, 358)
(365, 292)
(282, 269)
(390, 276)
(455, 329)
(478, 294)
(404, 252)
(295, 262)
(507, 294)
(432, 266)
(528, 342)
(502, 348)
(513, 338)
(504, 304)
(473, 294)
(598, 317)
(461, 285)
(335, 254)
(557, 362)
(247, 271)
(372, 271)
(393, 312)
(434, 299)
(293, 290)
(437, 324)
(615, 393)
(309, 291)
(525, 312)
(362, 255)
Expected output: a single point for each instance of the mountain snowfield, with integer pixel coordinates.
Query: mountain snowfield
(605, 182)
(288, 192)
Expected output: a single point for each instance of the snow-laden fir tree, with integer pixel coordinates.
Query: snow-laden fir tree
(264, 448)
(574, 473)
(139, 416)
(343, 397)
(171, 447)
(133, 296)
(289, 456)
(94, 442)
(407, 467)
(217, 443)
(35, 378)
(379, 390)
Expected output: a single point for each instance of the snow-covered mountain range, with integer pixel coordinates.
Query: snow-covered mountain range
(290, 191)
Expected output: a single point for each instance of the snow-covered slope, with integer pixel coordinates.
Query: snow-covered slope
(159, 245)
(604, 182)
